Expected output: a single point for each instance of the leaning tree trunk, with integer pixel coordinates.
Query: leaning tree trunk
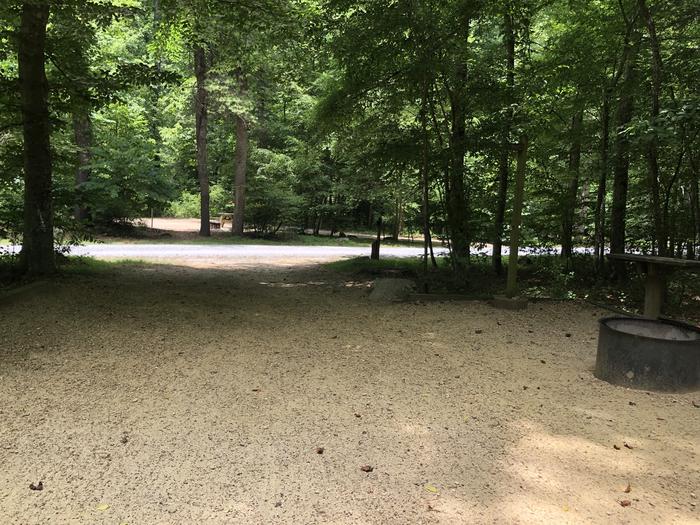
(82, 134)
(241, 172)
(202, 118)
(571, 200)
(625, 110)
(504, 157)
(37, 256)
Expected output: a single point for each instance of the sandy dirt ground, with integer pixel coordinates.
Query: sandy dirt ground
(171, 224)
(172, 394)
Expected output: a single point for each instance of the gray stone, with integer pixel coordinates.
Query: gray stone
(510, 303)
(389, 290)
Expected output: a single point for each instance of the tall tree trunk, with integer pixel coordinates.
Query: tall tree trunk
(202, 118)
(241, 172)
(652, 149)
(695, 207)
(571, 200)
(37, 256)
(602, 182)
(625, 110)
(504, 157)
(456, 194)
(425, 176)
(517, 218)
(457, 206)
(82, 133)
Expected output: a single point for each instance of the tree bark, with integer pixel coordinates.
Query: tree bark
(425, 176)
(652, 149)
(517, 218)
(37, 256)
(625, 110)
(241, 173)
(456, 195)
(571, 200)
(602, 182)
(202, 117)
(504, 157)
(457, 207)
(82, 135)
(695, 219)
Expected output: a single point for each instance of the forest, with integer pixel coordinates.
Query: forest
(330, 114)
(349, 261)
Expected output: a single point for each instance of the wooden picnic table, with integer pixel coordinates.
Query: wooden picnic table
(655, 268)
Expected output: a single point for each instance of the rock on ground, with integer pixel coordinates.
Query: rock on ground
(391, 290)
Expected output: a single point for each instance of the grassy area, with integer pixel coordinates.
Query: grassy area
(224, 239)
(143, 235)
(540, 277)
(10, 276)
(86, 266)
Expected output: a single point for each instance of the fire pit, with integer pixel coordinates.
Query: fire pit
(649, 354)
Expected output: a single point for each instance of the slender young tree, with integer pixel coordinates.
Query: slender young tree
(201, 102)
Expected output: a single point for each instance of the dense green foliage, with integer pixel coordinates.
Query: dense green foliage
(354, 107)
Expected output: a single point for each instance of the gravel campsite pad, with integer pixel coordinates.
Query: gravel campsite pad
(174, 394)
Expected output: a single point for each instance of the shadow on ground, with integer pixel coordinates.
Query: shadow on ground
(160, 394)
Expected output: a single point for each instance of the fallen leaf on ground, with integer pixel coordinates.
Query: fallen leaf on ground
(625, 503)
(102, 506)
(431, 489)
(366, 468)
(38, 486)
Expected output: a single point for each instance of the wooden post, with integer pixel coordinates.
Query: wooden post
(516, 219)
(653, 292)
(377, 243)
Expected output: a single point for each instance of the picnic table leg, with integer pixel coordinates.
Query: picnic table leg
(654, 292)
